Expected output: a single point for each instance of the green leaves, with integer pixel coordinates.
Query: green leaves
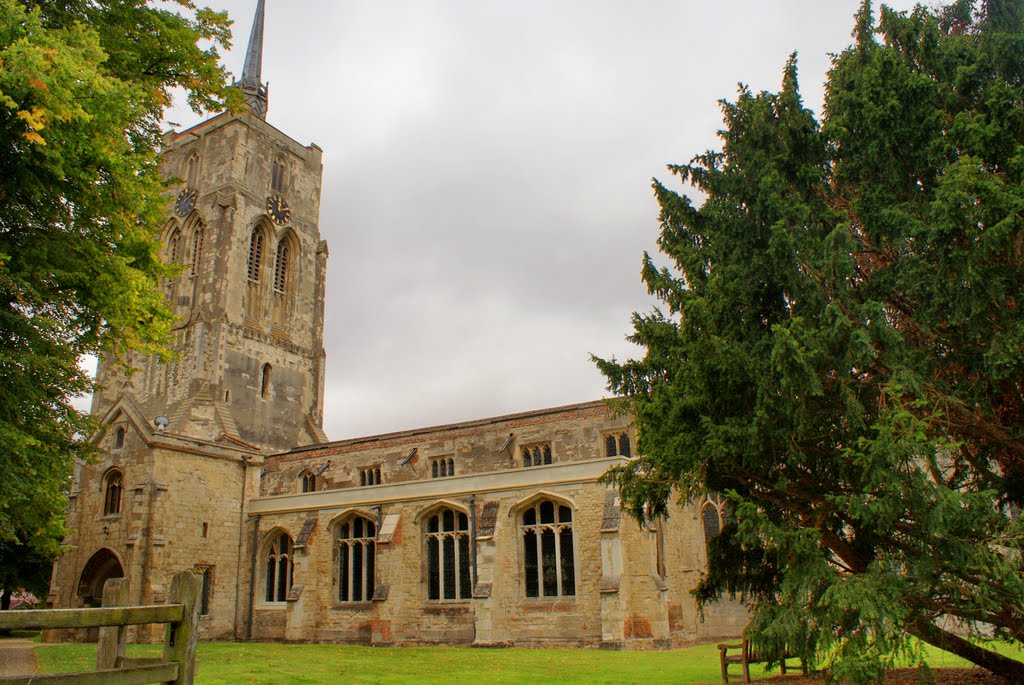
(842, 349)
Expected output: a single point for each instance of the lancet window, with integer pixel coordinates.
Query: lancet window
(113, 488)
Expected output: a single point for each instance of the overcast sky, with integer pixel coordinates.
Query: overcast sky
(487, 170)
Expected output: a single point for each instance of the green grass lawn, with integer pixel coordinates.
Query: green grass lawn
(236, 662)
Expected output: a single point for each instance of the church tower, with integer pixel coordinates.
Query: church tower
(250, 296)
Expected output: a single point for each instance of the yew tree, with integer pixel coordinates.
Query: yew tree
(840, 347)
(83, 88)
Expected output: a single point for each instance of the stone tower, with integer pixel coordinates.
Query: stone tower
(250, 297)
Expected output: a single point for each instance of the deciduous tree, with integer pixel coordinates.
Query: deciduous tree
(83, 87)
(840, 348)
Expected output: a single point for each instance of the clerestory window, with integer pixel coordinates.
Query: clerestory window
(442, 467)
(549, 566)
(308, 481)
(617, 445)
(535, 455)
(356, 544)
(370, 475)
(448, 569)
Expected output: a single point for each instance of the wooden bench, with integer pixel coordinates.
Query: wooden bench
(749, 655)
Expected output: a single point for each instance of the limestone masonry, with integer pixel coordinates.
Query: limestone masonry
(487, 532)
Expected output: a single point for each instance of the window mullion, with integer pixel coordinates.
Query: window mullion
(456, 567)
(555, 530)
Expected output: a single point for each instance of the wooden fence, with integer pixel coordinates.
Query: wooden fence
(178, 664)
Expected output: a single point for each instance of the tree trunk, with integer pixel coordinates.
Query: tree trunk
(1004, 666)
(5, 600)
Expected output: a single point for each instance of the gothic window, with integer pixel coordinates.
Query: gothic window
(255, 255)
(174, 247)
(205, 588)
(192, 170)
(281, 266)
(119, 439)
(113, 487)
(448, 574)
(265, 381)
(355, 560)
(308, 481)
(714, 513)
(277, 176)
(535, 455)
(617, 445)
(197, 248)
(548, 555)
(370, 476)
(279, 568)
(441, 467)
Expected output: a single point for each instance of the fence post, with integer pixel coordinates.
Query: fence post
(110, 648)
(180, 640)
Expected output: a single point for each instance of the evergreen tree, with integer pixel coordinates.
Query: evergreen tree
(841, 347)
(83, 87)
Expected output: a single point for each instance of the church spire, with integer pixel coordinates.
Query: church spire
(251, 84)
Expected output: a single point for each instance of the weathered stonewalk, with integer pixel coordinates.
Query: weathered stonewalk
(16, 657)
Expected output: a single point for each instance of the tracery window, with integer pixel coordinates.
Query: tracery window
(279, 568)
(448, 570)
(255, 255)
(356, 544)
(617, 445)
(548, 550)
(308, 481)
(370, 476)
(714, 514)
(535, 455)
(113, 488)
(281, 266)
(442, 467)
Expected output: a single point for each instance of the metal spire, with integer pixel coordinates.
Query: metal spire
(251, 84)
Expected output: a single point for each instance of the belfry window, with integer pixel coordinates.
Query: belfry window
(279, 568)
(535, 455)
(548, 555)
(617, 445)
(255, 255)
(448, 574)
(356, 543)
(113, 488)
(174, 247)
(281, 267)
(197, 248)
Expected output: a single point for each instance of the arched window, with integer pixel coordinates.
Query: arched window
(281, 266)
(265, 381)
(279, 568)
(255, 255)
(113, 487)
(277, 176)
(355, 560)
(192, 170)
(548, 550)
(448, 575)
(308, 481)
(174, 247)
(119, 439)
(197, 248)
(714, 513)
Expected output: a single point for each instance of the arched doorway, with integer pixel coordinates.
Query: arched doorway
(100, 568)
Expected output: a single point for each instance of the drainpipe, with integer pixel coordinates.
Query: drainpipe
(252, 576)
(241, 540)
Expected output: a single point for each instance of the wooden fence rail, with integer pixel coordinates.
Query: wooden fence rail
(178, 664)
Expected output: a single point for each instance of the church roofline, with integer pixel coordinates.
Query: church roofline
(172, 138)
(400, 436)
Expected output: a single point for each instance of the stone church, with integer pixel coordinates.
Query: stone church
(487, 532)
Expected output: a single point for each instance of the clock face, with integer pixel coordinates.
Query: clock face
(186, 201)
(278, 209)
